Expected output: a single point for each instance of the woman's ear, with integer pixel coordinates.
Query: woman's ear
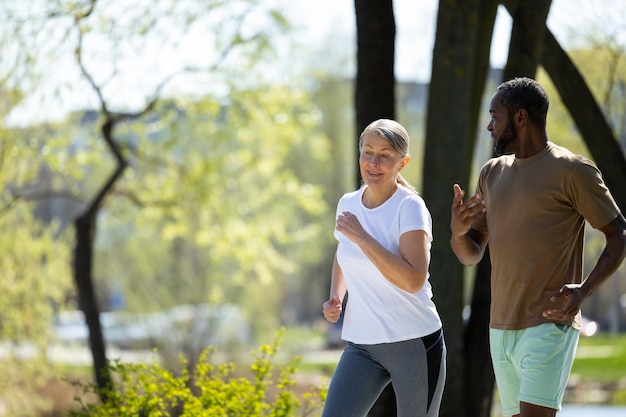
(404, 162)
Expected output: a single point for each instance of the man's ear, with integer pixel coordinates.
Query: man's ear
(521, 117)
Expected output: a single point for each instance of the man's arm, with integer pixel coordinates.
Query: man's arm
(467, 244)
(572, 296)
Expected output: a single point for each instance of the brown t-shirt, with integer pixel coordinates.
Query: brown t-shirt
(536, 211)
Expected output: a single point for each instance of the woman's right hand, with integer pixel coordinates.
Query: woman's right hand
(332, 309)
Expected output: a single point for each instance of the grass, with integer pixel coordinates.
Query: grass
(601, 357)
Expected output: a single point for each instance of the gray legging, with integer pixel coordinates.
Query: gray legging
(416, 368)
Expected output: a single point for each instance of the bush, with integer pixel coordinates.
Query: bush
(209, 390)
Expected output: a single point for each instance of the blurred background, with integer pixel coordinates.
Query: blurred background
(169, 172)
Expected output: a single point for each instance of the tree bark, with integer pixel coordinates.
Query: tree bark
(529, 23)
(83, 259)
(85, 227)
(375, 99)
(375, 79)
(479, 380)
(460, 64)
(524, 51)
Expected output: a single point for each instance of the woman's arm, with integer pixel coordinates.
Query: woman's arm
(407, 271)
(332, 308)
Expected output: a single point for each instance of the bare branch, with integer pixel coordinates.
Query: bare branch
(78, 52)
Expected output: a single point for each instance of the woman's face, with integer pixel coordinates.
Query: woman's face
(379, 161)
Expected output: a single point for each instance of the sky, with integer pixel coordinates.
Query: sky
(326, 31)
(416, 23)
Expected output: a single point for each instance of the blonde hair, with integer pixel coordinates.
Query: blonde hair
(398, 138)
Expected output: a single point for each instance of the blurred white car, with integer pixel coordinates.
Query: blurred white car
(200, 324)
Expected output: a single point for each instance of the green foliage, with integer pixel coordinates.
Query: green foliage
(207, 390)
(604, 70)
(619, 397)
(35, 278)
(226, 202)
(224, 195)
(21, 380)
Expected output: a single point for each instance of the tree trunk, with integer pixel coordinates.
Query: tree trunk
(529, 22)
(479, 380)
(487, 12)
(83, 260)
(375, 99)
(523, 60)
(460, 62)
(375, 78)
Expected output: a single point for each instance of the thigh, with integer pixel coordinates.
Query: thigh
(417, 369)
(356, 384)
(532, 366)
(546, 356)
(507, 373)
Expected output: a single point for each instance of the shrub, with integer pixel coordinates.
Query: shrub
(209, 390)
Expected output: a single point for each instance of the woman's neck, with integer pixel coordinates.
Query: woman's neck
(373, 197)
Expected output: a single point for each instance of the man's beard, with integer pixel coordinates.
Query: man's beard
(507, 138)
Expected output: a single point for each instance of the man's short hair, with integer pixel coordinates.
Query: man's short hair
(525, 93)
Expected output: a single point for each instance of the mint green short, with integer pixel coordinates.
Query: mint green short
(532, 365)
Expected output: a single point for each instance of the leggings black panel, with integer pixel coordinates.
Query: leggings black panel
(415, 367)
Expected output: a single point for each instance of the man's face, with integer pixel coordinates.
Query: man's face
(504, 143)
(502, 127)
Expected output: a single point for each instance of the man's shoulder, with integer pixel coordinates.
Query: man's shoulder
(497, 163)
(564, 154)
(563, 158)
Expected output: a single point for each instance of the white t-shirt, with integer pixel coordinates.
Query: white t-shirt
(377, 311)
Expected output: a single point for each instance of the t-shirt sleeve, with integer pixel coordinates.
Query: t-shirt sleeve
(590, 195)
(338, 210)
(414, 215)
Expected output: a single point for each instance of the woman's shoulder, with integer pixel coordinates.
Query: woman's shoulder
(350, 200)
(410, 200)
(351, 195)
(405, 193)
